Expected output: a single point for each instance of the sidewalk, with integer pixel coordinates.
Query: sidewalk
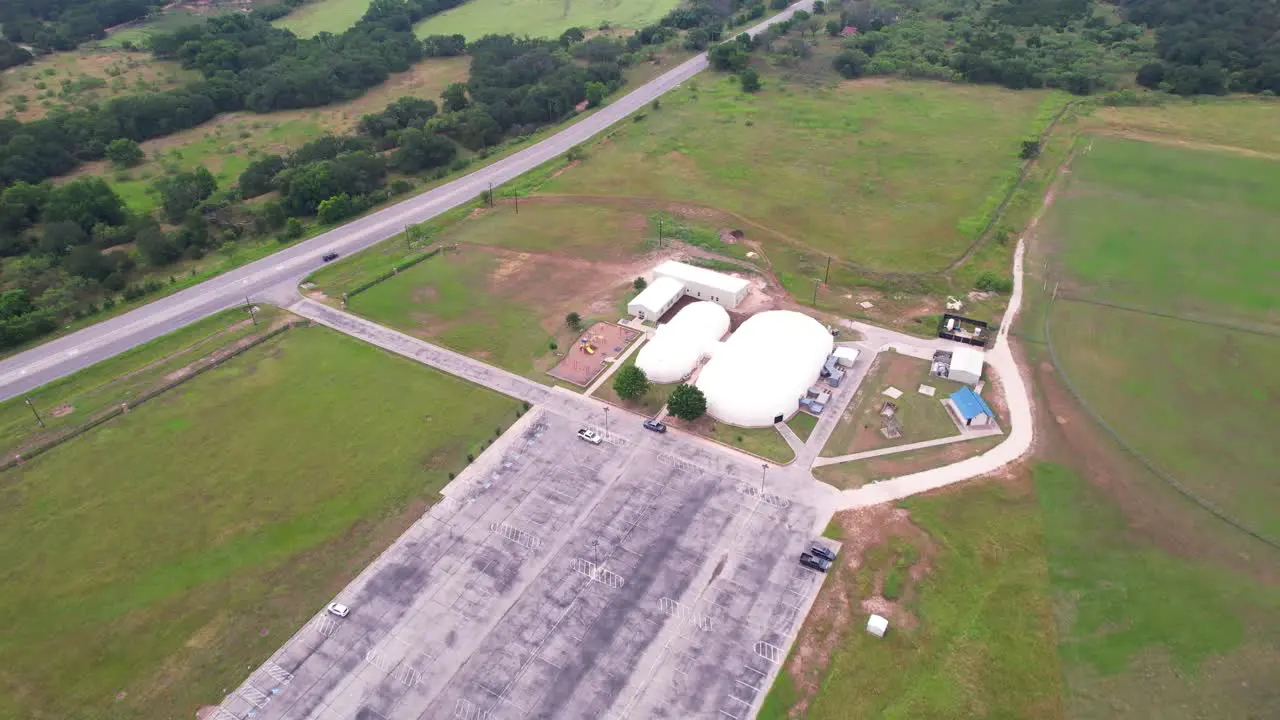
(821, 462)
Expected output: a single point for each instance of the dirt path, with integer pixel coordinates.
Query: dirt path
(1127, 133)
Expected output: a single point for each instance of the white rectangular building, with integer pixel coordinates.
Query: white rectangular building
(966, 366)
(845, 356)
(657, 299)
(704, 284)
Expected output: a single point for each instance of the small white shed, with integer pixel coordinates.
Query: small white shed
(877, 626)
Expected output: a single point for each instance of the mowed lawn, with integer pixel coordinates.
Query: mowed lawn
(921, 417)
(1172, 230)
(149, 562)
(896, 175)
(317, 16)
(540, 18)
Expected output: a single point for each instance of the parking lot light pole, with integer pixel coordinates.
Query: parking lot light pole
(606, 422)
(764, 470)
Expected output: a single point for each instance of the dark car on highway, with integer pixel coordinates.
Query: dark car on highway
(655, 426)
(329, 257)
(814, 563)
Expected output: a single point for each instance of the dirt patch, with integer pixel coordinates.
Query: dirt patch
(834, 614)
(566, 168)
(509, 264)
(424, 294)
(62, 410)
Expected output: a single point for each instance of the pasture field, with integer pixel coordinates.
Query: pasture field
(540, 18)
(964, 584)
(1245, 122)
(906, 173)
(79, 78)
(1186, 375)
(317, 16)
(72, 401)
(226, 145)
(1131, 640)
(1198, 400)
(1171, 230)
(153, 559)
(922, 418)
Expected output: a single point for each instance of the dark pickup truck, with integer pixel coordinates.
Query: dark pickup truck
(813, 562)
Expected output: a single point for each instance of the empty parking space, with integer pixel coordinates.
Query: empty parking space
(558, 579)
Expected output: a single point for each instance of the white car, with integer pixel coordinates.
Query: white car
(338, 609)
(590, 436)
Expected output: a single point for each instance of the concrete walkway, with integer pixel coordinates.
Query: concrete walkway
(797, 445)
(1021, 431)
(612, 367)
(820, 462)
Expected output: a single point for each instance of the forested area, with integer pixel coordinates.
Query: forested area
(1211, 47)
(63, 24)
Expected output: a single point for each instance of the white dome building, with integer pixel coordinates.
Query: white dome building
(677, 346)
(764, 368)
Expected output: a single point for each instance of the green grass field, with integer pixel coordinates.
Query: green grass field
(140, 33)
(540, 18)
(1200, 401)
(1240, 121)
(1172, 230)
(317, 16)
(765, 441)
(649, 404)
(152, 560)
(802, 424)
(857, 473)
(905, 173)
(72, 401)
(1133, 638)
(1185, 232)
(979, 642)
(922, 418)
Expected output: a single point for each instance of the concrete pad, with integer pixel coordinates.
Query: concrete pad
(866, 305)
(892, 392)
(927, 390)
(645, 578)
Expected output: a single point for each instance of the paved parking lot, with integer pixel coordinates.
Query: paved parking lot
(647, 577)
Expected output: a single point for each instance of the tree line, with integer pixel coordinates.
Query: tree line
(246, 64)
(52, 25)
(1211, 47)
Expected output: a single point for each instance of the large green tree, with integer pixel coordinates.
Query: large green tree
(687, 402)
(630, 383)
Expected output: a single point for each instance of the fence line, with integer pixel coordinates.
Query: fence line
(1146, 462)
(121, 409)
(395, 270)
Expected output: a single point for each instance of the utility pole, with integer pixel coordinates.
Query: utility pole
(248, 306)
(659, 233)
(490, 198)
(827, 277)
(516, 195)
(35, 412)
(764, 470)
(815, 293)
(606, 422)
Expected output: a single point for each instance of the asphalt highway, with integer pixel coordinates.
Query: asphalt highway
(254, 281)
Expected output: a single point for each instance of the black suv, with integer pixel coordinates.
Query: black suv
(824, 553)
(329, 257)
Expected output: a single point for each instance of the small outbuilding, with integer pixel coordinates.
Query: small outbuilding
(964, 365)
(877, 625)
(845, 356)
(972, 409)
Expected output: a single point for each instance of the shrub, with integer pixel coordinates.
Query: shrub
(991, 282)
